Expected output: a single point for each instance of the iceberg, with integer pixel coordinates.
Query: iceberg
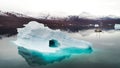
(48, 45)
(117, 26)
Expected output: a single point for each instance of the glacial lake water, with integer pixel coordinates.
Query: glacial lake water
(106, 52)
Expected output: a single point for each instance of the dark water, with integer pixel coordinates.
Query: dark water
(106, 54)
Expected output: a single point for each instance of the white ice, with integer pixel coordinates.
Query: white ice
(36, 36)
(117, 26)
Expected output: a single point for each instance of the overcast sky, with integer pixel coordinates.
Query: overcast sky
(62, 7)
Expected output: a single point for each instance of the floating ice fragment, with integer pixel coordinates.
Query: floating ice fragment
(39, 44)
(36, 36)
(117, 26)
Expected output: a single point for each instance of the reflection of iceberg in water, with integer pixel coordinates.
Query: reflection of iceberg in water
(40, 44)
(35, 58)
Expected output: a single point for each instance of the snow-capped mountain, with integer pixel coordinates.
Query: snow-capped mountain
(15, 14)
(3, 14)
(87, 15)
(90, 16)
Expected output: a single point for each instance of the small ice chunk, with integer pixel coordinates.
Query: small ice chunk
(117, 26)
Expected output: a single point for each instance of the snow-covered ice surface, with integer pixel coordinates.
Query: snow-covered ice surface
(33, 41)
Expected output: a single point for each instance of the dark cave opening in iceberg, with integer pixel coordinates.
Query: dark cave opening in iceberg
(54, 43)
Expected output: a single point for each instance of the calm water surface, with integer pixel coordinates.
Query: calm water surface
(106, 52)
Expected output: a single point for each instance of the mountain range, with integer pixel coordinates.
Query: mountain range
(10, 21)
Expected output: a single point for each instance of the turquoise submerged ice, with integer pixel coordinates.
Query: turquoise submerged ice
(35, 37)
